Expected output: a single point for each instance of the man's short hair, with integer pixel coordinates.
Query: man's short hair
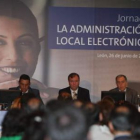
(121, 75)
(73, 75)
(24, 77)
(122, 120)
(67, 123)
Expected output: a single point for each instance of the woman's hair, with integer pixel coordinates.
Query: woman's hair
(36, 128)
(18, 10)
(105, 107)
(14, 122)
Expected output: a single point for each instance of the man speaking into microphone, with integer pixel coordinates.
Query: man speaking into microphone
(24, 86)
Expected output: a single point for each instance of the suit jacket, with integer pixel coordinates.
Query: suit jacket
(83, 94)
(123, 137)
(30, 90)
(130, 95)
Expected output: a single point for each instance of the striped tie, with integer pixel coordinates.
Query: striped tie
(74, 96)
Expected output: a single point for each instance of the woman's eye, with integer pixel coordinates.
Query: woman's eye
(25, 43)
(2, 42)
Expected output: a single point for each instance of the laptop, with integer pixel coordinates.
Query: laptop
(7, 96)
(115, 95)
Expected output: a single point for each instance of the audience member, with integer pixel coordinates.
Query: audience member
(78, 103)
(121, 123)
(29, 102)
(36, 128)
(64, 96)
(67, 123)
(55, 104)
(100, 131)
(16, 103)
(92, 113)
(136, 129)
(132, 107)
(13, 124)
(110, 99)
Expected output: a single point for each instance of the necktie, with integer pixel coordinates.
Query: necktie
(74, 96)
(23, 93)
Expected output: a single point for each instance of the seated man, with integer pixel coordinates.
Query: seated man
(131, 95)
(24, 86)
(76, 92)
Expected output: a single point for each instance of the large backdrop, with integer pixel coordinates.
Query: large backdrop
(96, 39)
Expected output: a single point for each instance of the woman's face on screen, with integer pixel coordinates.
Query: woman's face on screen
(19, 49)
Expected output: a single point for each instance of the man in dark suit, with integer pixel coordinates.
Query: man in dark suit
(131, 95)
(74, 90)
(24, 86)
